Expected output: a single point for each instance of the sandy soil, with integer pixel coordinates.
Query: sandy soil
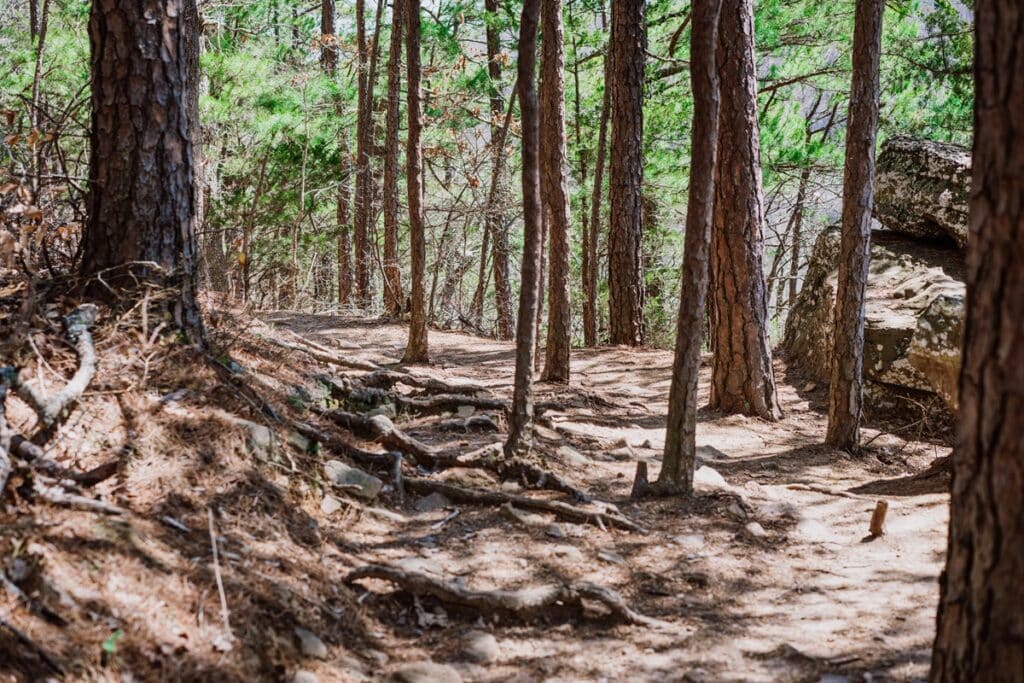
(806, 598)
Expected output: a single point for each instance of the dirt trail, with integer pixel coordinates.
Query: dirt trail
(810, 597)
(756, 581)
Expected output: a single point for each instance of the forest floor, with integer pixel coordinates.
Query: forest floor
(766, 574)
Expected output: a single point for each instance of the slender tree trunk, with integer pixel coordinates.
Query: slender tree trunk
(590, 315)
(796, 235)
(40, 22)
(141, 205)
(555, 192)
(416, 351)
(361, 239)
(520, 436)
(393, 298)
(498, 225)
(543, 268)
(681, 432)
(344, 216)
(743, 380)
(846, 390)
(981, 609)
(328, 39)
(625, 238)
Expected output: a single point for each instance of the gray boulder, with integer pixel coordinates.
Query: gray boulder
(935, 350)
(922, 188)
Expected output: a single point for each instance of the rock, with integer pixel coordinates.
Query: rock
(465, 411)
(468, 477)
(259, 439)
(708, 478)
(691, 541)
(432, 503)
(310, 644)
(304, 677)
(329, 505)
(481, 647)
(706, 454)
(737, 511)
(425, 672)
(568, 552)
(362, 484)
(755, 530)
(906, 277)
(385, 409)
(571, 456)
(555, 531)
(935, 349)
(922, 188)
(810, 387)
(611, 556)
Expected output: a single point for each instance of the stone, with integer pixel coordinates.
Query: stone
(707, 478)
(310, 644)
(468, 477)
(737, 511)
(432, 503)
(425, 672)
(706, 454)
(329, 505)
(465, 411)
(259, 438)
(355, 480)
(384, 410)
(611, 556)
(481, 647)
(755, 530)
(810, 387)
(555, 531)
(900, 265)
(935, 349)
(304, 677)
(691, 541)
(299, 442)
(922, 188)
(571, 456)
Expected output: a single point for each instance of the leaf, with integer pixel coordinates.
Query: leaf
(12, 139)
(110, 644)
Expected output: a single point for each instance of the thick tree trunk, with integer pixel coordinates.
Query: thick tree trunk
(625, 238)
(520, 435)
(743, 380)
(554, 190)
(981, 609)
(590, 310)
(328, 39)
(847, 388)
(681, 432)
(416, 351)
(142, 204)
(393, 298)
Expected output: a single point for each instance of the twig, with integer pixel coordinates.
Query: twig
(216, 573)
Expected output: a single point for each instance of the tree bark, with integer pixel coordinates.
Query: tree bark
(554, 190)
(393, 298)
(981, 610)
(364, 139)
(847, 388)
(681, 432)
(590, 310)
(416, 351)
(141, 205)
(520, 436)
(625, 238)
(743, 380)
(328, 39)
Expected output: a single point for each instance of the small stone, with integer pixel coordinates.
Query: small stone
(465, 411)
(360, 483)
(432, 503)
(611, 556)
(310, 644)
(810, 387)
(621, 443)
(555, 531)
(706, 454)
(568, 552)
(304, 677)
(425, 672)
(482, 647)
(647, 444)
(571, 456)
(691, 541)
(737, 511)
(329, 505)
(624, 453)
(385, 409)
(706, 477)
(755, 530)
(299, 442)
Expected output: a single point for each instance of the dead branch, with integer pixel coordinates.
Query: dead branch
(56, 493)
(562, 510)
(525, 603)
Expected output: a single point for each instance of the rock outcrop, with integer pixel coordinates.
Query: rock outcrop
(915, 293)
(922, 187)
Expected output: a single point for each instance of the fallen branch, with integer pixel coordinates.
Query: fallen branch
(525, 603)
(562, 510)
(55, 493)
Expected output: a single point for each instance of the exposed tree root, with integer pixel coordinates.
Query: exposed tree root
(324, 355)
(526, 603)
(562, 510)
(387, 379)
(493, 458)
(383, 431)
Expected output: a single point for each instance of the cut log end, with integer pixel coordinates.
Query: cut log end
(877, 527)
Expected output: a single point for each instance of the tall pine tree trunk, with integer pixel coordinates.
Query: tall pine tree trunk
(520, 434)
(681, 432)
(743, 380)
(393, 298)
(142, 205)
(847, 389)
(416, 351)
(554, 190)
(981, 609)
(364, 138)
(590, 310)
(625, 238)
